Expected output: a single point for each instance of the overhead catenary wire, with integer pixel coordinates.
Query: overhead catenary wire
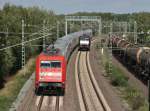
(33, 34)
(24, 42)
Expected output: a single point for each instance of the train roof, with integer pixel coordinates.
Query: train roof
(85, 36)
(63, 42)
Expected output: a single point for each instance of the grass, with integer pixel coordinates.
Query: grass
(12, 88)
(131, 95)
(116, 76)
(135, 99)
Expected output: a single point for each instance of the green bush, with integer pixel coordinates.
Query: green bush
(107, 67)
(136, 101)
(6, 63)
(9, 93)
(117, 78)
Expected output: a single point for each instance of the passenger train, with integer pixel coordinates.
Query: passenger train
(50, 77)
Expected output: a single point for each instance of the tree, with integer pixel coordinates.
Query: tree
(6, 63)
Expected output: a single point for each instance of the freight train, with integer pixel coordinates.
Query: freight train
(85, 42)
(136, 58)
(50, 76)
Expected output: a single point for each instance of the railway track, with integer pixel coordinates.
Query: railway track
(90, 96)
(39, 104)
(49, 103)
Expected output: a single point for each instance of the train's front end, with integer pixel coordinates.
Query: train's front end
(84, 42)
(50, 74)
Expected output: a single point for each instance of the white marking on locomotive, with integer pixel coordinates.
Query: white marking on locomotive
(84, 42)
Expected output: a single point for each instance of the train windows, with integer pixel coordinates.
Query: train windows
(55, 64)
(50, 64)
(45, 64)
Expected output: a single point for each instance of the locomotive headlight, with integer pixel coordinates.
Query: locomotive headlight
(45, 74)
(49, 74)
(42, 74)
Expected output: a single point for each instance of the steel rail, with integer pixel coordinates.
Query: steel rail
(95, 86)
(97, 91)
(80, 83)
(40, 103)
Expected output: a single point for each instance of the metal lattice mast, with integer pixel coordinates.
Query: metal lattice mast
(44, 44)
(111, 28)
(100, 27)
(71, 26)
(110, 49)
(6, 39)
(57, 29)
(80, 19)
(129, 27)
(23, 46)
(126, 27)
(81, 23)
(66, 27)
(135, 32)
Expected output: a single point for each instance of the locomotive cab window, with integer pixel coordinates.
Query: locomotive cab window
(50, 64)
(45, 64)
(55, 64)
(84, 38)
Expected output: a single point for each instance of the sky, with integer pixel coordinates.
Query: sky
(72, 6)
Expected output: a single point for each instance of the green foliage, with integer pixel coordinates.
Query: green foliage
(135, 99)
(117, 78)
(9, 93)
(10, 18)
(107, 67)
(142, 18)
(116, 75)
(129, 93)
(6, 63)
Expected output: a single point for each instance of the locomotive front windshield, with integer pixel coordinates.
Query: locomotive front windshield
(45, 64)
(50, 64)
(55, 64)
(84, 38)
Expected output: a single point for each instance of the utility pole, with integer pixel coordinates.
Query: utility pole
(57, 29)
(126, 27)
(135, 32)
(81, 23)
(129, 27)
(23, 46)
(71, 26)
(110, 49)
(100, 27)
(120, 27)
(7, 36)
(44, 44)
(66, 27)
(111, 28)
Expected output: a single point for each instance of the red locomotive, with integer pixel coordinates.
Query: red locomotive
(50, 73)
(51, 66)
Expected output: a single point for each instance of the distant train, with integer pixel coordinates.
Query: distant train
(135, 57)
(51, 65)
(85, 42)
